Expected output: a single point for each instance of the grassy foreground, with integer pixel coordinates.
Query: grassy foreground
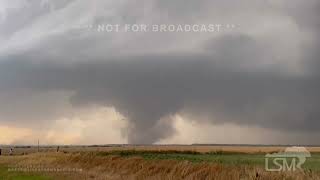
(153, 165)
(220, 157)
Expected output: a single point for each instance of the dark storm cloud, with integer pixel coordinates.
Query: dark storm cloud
(241, 78)
(18, 19)
(148, 88)
(306, 16)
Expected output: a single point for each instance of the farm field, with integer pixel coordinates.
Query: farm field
(150, 162)
(249, 149)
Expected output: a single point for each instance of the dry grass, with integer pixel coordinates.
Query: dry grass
(116, 167)
(197, 148)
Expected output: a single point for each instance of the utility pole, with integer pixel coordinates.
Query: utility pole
(38, 145)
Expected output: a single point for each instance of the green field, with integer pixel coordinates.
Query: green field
(227, 158)
(243, 163)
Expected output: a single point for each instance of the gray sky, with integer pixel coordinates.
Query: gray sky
(258, 81)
